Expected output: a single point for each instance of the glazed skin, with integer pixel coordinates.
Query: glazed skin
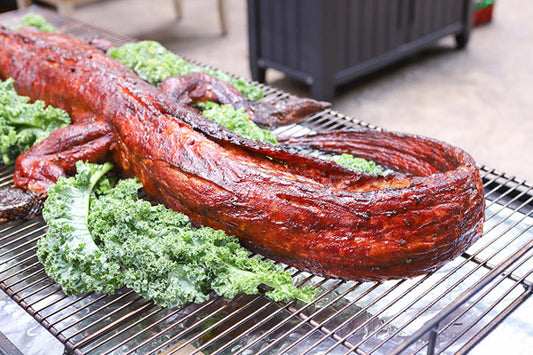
(303, 211)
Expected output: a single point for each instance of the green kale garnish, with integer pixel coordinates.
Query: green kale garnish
(22, 125)
(68, 251)
(357, 164)
(151, 61)
(154, 63)
(236, 120)
(121, 240)
(38, 21)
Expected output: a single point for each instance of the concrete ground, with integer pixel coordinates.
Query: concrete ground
(478, 99)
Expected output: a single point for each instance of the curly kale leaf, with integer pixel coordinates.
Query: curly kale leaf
(154, 63)
(151, 61)
(357, 164)
(68, 252)
(36, 20)
(22, 125)
(164, 258)
(236, 120)
(123, 240)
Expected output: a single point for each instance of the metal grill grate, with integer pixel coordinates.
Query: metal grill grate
(447, 311)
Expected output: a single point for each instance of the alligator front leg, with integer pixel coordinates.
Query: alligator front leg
(56, 156)
(198, 87)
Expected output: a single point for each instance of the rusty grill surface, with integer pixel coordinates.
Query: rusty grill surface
(447, 311)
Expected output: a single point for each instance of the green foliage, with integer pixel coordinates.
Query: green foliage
(151, 61)
(154, 63)
(38, 21)
(22, 125)
(357, 164)
(68, 252)
(123, 240)
(236, 120)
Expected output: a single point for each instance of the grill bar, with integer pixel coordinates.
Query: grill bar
(39, 300)
(228, 316)
(17, 232)
(15, 257)
(134, 324)
(500, 197)
(153, 337)
(142, 344)
(448, 311)
(80, 298)
(494, 322)
(101, 308)
(306, 318)
(437, 331)
(287, 306)
(233, 327)
(16, 273)
(465, 297)
(109, 327)
(21, 246)
(26, 278)
(489, 309)
(331, 333)
(36, 291)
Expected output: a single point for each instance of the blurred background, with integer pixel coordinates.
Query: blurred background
(478, 98)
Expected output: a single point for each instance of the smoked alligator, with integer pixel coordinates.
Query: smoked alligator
(304, 211)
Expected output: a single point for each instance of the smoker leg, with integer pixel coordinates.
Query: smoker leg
(65, 8)
(21, 4)
(258, 73)
(222, 15)
(178, 8)
(461, 39)
(323, 91)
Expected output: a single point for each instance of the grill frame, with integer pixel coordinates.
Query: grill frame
(95, 323)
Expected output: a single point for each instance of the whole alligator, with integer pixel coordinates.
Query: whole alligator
(304, 211)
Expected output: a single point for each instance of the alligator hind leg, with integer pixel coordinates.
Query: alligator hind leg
(56, 156)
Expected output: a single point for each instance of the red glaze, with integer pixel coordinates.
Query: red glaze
(307, 212)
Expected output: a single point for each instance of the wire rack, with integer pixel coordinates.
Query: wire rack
(447, 311)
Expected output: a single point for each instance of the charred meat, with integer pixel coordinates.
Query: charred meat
(307, 212)
(16, 203)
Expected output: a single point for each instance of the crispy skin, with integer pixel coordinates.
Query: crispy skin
(307, 212)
